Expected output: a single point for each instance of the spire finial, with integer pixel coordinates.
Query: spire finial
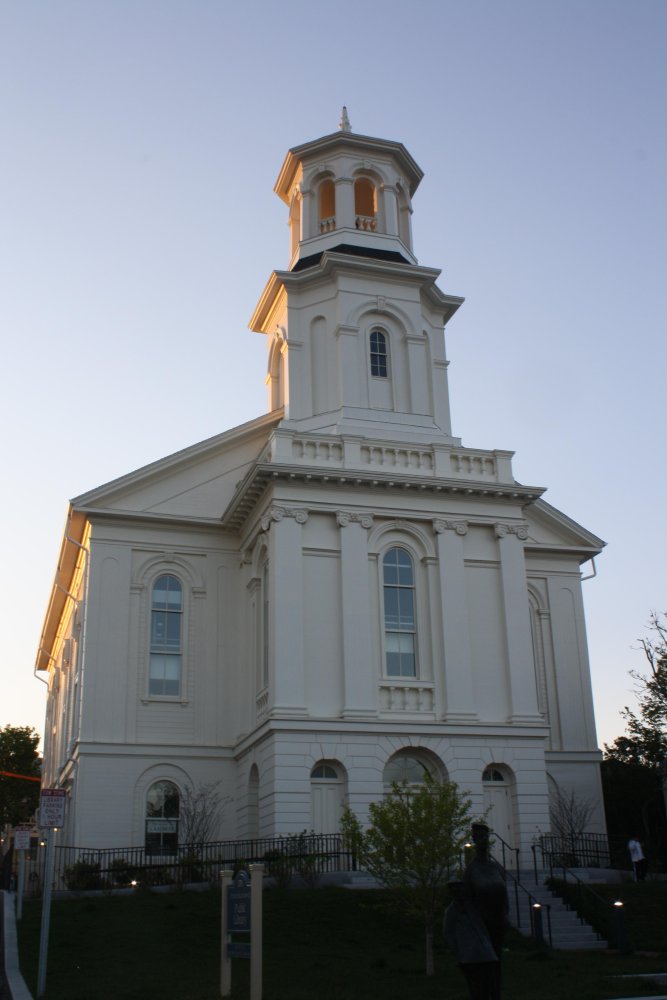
(344, 124)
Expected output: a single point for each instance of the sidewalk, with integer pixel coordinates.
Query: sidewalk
(9, 954)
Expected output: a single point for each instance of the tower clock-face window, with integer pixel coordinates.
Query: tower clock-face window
(379, 355)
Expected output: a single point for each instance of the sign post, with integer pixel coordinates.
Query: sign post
(256, 884)
(21, 845)
(51, 816)
(225, 957)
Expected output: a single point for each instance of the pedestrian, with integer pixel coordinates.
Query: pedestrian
(638, 859)
(467, 938)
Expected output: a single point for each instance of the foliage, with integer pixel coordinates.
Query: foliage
(294, 856)
(645, 740)
(83, 875)
(122, 873)
(199, 812)
(413, 845)
(18, 755)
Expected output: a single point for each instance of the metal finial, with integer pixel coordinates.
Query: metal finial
(344, 124)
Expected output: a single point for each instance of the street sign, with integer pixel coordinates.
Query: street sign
(22, 838)
(52, 807)
(238, 908)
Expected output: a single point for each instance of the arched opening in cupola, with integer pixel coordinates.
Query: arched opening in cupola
(365, 204)
(327, 206)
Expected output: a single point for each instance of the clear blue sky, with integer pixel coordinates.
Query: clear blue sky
(140, 143)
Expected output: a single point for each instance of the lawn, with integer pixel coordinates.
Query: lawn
(328, 944)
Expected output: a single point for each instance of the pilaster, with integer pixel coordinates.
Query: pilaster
(459, 695)
(523, 689)
(286, 610)
(360, 693)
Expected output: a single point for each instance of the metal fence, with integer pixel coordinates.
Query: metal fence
(585, 850)
(78, 868)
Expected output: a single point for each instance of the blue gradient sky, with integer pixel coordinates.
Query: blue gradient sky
(140, 143)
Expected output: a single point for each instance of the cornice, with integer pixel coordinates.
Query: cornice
(264, 474)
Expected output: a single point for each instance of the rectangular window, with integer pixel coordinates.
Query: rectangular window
(166, 637)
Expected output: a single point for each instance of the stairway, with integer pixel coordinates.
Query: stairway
(568, 932)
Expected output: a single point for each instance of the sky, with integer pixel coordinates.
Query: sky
(140, 142)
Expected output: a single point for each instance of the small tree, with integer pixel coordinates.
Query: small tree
(19, 762)
(412, 845)
(199, 811)
(570, 815)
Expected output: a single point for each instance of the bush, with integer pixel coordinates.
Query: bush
(84, 875)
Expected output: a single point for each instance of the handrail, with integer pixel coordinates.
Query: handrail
(584, 891)
(518, 887)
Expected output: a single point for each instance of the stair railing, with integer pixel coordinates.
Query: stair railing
(532, 903)
(586, 900)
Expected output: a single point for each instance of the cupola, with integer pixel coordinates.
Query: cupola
(349, 192)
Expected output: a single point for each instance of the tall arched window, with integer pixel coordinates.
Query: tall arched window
(400, 637)
(162, 812)
(379, 354)
(365, 204)
(327, 206)
(405, 768)
(166, 637)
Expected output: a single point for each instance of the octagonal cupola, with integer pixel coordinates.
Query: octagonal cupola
(349, 191)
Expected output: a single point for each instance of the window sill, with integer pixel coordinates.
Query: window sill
(163, 699)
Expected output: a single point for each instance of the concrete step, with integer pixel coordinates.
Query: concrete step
(568, 932)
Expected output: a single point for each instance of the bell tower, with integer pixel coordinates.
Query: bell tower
(355, 326)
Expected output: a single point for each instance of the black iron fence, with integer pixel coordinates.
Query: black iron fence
(78, 868)
(585, 850)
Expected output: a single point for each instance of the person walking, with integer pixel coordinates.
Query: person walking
(638, 858)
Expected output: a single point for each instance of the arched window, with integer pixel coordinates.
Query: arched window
(405, 768)
(493, 774)
(400, 639)
(365, 204)
(162, 812)
(327, 206)
(166, 637)
(379, 354)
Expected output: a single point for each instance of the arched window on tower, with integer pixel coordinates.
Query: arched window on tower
(166, 637)
(379, 354)
(365, 204)
(327, 206)
(400, 630)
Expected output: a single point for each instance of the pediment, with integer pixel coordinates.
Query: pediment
(549, 528)
(195, 483)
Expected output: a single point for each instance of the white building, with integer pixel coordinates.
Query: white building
(335, 594)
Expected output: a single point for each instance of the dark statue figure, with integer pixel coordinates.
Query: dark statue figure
(476, 920)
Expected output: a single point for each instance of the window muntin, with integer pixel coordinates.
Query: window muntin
(166, 637)
(379, 354)
(399, 614)
(405, 768)
(324, 771)
(162, 813)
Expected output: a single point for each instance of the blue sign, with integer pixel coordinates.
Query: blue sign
(238, 909)
(238, 949)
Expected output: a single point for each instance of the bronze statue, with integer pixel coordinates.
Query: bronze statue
(476, 920)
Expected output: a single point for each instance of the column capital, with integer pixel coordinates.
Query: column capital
(460, 527)
(502, 530)
(345, 517)
(274, 513)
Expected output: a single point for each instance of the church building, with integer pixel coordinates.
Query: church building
(335, 595)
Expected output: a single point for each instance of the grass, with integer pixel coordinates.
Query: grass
(328, 944)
